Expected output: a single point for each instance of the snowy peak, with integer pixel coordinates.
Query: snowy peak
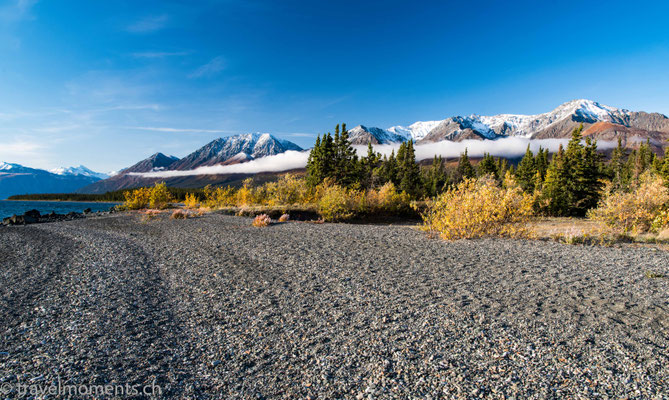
(361, 135)
(8, 166)
(80, 170)
(556, 123)
(234, 149)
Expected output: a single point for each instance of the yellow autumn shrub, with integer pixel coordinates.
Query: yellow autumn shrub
(478, 208)
(637, 211)
(136, 199)
(191, 201)
(288, 190)
(159, 197)
(336, 203)
(385, 200)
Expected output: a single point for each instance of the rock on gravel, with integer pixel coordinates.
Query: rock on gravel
(212, 307)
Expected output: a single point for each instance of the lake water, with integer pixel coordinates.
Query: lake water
(8, 208)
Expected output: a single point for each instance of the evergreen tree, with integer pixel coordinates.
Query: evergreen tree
(618, 170)
(435, 178)
(314, 164)
(590, 184)
(409, 171)
(464, 169)
(368, 165)
(526, 171)
(556, 200)
(488, 166)
(541, 165)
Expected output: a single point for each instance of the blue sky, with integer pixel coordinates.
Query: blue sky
(106, 84)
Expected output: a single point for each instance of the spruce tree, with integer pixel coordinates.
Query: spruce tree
(464, 169)
(314, 164)
(617, 168)
(590, 178)
(556, 200)
(488, 166)
(409, 171)
(526, 171)
(435, 178)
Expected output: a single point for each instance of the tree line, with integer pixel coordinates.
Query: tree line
(567, 183)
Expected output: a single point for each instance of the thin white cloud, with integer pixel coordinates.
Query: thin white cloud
(159, 54)
(176, 130)
(148, 24)
(20, 148)
(280, 162)
(17, 10)
(512, 147)
(213, 67)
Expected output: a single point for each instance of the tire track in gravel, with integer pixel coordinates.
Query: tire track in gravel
(105, 320)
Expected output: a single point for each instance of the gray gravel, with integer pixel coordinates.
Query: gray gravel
(214, 308)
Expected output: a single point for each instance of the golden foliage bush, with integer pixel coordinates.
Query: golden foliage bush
(160, 198)
(262, 221)
(640, 210)
(385, 200)
(137, 199)
(157, 197)
(287, 191)
(336, 203)
(479, 208)
(191, 202)
(284, 218)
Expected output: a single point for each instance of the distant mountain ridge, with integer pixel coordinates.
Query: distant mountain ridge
(80, 170)
(18, 179)
(222, 151)
(235, 149)
(558, 123)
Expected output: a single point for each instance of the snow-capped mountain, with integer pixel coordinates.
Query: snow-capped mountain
(18, 179)
(122, 179)
(554, 124)
(80, 170)
(235, 149)
(226, 150)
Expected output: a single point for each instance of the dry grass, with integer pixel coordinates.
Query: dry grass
(262, 221)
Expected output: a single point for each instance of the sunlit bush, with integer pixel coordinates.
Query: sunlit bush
(386, 200)
(191, 201)
(288, 190)
(284, 218)
(479, 208)
(336, 203)
(137, 199)
(219, 197)
(640, 210)
(244, 196)
(160, 198)
(262, 221)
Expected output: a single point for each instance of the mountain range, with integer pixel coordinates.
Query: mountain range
(225, 151)
(17, 179)
(600, 122)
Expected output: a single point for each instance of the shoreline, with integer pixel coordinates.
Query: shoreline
(66, 201)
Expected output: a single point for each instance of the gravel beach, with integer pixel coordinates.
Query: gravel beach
(212, 307)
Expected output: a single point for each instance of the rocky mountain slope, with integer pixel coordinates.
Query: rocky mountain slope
(600, 121)
(225, 151)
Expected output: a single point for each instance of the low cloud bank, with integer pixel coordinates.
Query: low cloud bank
(506, 147)
(281, 162)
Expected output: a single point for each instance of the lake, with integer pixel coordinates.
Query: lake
(8, 208)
